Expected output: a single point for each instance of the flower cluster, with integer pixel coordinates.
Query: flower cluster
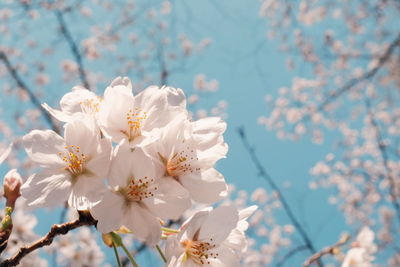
(136, 161)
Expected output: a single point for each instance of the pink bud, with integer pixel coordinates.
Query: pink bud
(12, 184)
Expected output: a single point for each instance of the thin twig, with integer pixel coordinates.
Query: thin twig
(74, 48)
(385, 159)
(23, 86)
(328, 250)
(290, 254)
(57, 229)
(369, 74)
(264, 174)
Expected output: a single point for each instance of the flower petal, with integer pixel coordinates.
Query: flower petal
(5, 153)
(43, 147)
(170, 200)
(143, 224)
(46, 189)
(219, 223)
(205, 187)
(109, 212)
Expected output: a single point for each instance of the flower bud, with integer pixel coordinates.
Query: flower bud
(12, 184)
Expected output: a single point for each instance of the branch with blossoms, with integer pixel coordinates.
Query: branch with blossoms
(369, 74)
(333, 249)
(58, 229)
(128, 163)
(385, 159)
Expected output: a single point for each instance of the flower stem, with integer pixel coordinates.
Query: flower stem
(129, 255)
(161, 254)
(169, 230)
(116, 255)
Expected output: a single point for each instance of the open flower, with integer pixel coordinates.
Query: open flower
(209, 238)
(137, 197)
(79, 100)
(361, 254)
(125, 116)
(73, 167)
(187, 152)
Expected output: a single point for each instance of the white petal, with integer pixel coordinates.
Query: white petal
(208, 131)
(143, 224)
(5, 154)
(226, 258)
(113, 112)
(205, 187)
(46, 189)
(128, 163)
(243, 215)
(43, 147)
(58, 114)
(161, 105)
(170, 200)
(236, 240)
(99, 164)
(121, 85)
(86, 191)
(173, 248)
(71, 102)
(109, 212)
(82, 132)
(219, 223)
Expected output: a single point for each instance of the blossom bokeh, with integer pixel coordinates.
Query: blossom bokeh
(308, 91)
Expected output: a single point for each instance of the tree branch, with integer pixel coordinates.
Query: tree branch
(74, 48)
(369, 74)
(385, 159)
(290, 254)
(57, 229)
(328, 250)
(282, 199)
(33, 98)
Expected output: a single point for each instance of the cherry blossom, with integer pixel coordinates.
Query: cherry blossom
(79, 100)
(138, 198)
(125, 116)
(361, 254)
(212, 237)
(187, 152)
(73, 167)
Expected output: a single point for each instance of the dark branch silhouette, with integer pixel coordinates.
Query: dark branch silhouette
(264, 174)
(369, 74)
(23, 86)
(57, 229)
(74, 48)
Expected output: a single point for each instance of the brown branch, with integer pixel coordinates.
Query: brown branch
(369, 74)
(74, 48)
(328, 250)
(23, 86)
(57, 229)
(264, 174)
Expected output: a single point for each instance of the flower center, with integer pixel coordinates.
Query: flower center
(91, 105)
(199, 251)
(181, 163)
(139, 189)
(135, 120)
(74, 159)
